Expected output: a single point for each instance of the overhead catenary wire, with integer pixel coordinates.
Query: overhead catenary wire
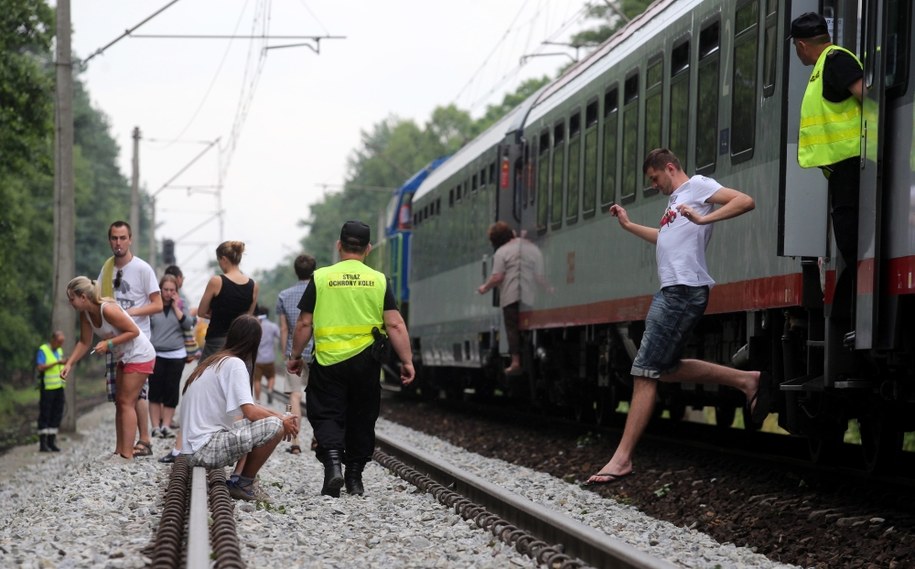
(541, 13)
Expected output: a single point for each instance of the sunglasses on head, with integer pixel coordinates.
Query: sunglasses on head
(117, 279)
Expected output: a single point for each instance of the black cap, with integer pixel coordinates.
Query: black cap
(355, 233)
(809, 25)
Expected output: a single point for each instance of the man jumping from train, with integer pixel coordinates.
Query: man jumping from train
(681, 241)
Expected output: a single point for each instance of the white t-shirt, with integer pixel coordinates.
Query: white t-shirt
(681, 243)
(138, 281)
(213, 402)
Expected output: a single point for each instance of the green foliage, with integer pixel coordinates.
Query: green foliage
(611, 19)
(27, 91)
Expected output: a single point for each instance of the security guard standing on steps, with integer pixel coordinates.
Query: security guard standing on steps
(830, 137)
(49, 362)
(351, 312)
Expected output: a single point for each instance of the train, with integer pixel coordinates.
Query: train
(719, 84)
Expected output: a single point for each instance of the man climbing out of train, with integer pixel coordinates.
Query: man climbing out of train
(830, 139)
(681, 240)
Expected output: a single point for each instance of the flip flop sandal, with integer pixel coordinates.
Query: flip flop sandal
(295, 449)
(142, 448)
(611, 478)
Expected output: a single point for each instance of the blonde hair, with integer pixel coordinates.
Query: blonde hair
(231, 250)
(83, 286)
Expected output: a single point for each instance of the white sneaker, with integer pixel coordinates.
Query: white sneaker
(155, 433)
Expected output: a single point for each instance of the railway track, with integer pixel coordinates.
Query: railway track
(549, 538)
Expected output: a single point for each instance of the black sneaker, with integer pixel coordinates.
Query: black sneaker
(168, 459)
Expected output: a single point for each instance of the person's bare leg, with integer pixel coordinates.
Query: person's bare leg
(168, 413)
(698, 371)
(271, 381)
(155, 415)
(142, 414)
(295, 400)
(641, 407)
(128, 390)
(254, 460)
(257, 389)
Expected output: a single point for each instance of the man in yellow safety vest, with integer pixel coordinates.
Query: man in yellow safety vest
(351, 312)
(49, 362)
(830, 137)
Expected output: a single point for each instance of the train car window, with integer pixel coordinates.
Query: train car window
(679, 101)
(543, 179)
(898, 47)
(483, 180)
(707, 101)
(559, 144)
(611, 122)
(743, 107)
(654, 77)
(770, 48)
(473, 183)
(589, 191)
(631, 171)
(438, 206)
(451, 197)
(744, 103)
(415, 219)
(466, 190)
(574, 169)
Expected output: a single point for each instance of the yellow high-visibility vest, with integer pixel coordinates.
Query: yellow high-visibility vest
(349, 303)
(830, 132)
(51, 376)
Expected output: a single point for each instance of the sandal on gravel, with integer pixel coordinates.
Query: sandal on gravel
(295, 449)
(142, 448)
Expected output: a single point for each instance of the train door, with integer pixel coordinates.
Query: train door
(870, 191)
(803, 203)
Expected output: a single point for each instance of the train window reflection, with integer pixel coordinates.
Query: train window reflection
(611, 120)
(631, 171)
(574, 169)
(557, 175)
(679, 101)
(707, 102)
(743, 108)
(543, 178)
(589, 191)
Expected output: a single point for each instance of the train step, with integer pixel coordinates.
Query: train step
(804, 383)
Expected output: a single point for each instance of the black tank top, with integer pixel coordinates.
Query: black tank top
(232, 300)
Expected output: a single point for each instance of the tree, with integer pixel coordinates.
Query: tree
(27, 184)
(612, 15)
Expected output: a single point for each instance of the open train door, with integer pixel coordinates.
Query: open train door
(870, 199)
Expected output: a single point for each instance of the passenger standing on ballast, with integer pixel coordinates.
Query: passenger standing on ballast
(49, 362)
(681, 239)
(226, 296)
(830, 137)
(353, 315)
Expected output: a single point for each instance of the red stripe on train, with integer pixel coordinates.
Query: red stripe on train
(756, 294)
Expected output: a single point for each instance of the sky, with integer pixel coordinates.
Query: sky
(287, 118)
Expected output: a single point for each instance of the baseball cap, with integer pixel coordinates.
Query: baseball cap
(808, 25)
(355, 233)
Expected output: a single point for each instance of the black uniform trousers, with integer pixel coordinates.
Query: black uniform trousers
(342, 402)
(50, 409)
(844, 179)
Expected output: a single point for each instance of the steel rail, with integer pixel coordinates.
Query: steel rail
(576, 539)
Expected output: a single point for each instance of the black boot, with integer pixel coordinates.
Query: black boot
(43, 443)
(52, 443)
(333, 473)
(353, 478)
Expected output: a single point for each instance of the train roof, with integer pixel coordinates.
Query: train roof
(512, 121)
(632, 36)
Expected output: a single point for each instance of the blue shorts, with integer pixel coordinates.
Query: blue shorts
(674, 312)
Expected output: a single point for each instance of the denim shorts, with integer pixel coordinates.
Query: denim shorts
(675, 310)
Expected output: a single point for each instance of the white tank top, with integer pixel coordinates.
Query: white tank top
(138, 350)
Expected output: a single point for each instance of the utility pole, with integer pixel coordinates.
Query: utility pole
(62, 315)
(135, 184)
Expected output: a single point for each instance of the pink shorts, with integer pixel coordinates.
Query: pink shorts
(138, 367)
